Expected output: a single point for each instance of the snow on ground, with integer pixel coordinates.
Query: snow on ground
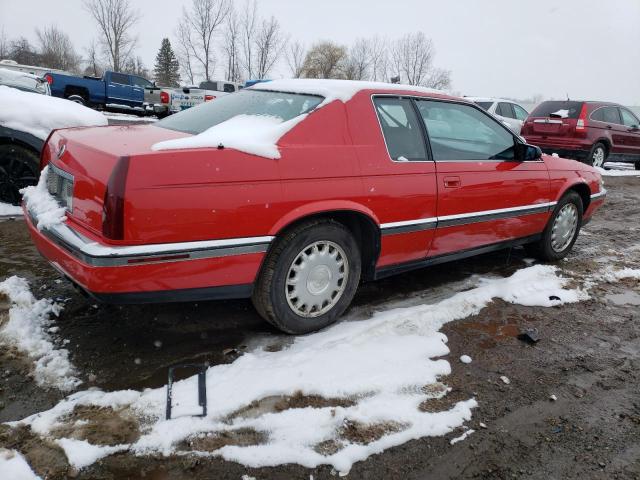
(127, 117)
(7, 210)
(39, 114)
(47, 210)
(619, 170)
(13, 466)
(26, 328)
(375, 372)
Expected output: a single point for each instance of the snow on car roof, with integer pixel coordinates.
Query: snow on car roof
(331, 90)
(40, 114)
(6, 74)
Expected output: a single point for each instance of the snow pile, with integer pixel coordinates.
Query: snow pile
(39, 114)
(81, 453)
(13, 466)
(618, 173)
(26, 329)
(253, 134)
(7, 210)
(378, 371)
(46, 209)
(259, 134)
(612, 275)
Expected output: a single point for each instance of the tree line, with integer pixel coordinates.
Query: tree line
(216, 37)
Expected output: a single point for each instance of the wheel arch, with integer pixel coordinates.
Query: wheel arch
(361, 223)
(70, 90)
(606, 142)
(582, 189)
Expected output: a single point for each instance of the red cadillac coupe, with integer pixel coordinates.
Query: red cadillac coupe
(292, 192)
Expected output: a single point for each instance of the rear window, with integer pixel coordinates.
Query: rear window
(247, 102)
(562, 109)
(484, 105)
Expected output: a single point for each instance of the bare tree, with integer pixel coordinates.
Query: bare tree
(93, 65)
(324, 60)
(231, 47)
(116, 20)
(296, 53)
(135, 66)
(412, 59)
(23, 52)
(199, 24)
(269, 43)
(4, 44)
(379, 58)
(358, 61)
(56, 50)
(183, 52)
(248, 26)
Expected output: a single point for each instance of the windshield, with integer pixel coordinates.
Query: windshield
(284, 106)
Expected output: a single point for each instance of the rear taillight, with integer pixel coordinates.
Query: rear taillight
(581, 124)
(208, 98)
(164, 97)
(49, 79)
(113, 208)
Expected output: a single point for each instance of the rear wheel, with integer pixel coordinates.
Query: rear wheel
(637, 164)
(309, 277)
(561, 231)
(597, 155)
(19, 168)
(79, 99)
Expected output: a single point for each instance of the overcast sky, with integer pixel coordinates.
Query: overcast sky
(510, 48)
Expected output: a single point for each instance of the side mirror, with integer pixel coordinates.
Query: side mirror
(635, 128)
(524, 152)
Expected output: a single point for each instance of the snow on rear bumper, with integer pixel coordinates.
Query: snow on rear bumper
(152, 273)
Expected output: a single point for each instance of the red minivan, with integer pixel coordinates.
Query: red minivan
(592, 132)
(292, 192)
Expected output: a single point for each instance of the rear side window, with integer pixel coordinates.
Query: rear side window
(401, 128)
(229, 88)
(562, 109)
(120, 78)
(461, 132)
(504, 109)
(611, 115)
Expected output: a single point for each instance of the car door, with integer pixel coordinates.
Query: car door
(616, 131)
(508, 116)
(138, 86)
(119, 89)
(485, 197)
(632, 135)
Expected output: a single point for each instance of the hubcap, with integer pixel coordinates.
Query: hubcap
(564, 227)
(317, 279)
(598, 157)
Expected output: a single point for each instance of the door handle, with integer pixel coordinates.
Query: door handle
(452, 182)
(609, 127)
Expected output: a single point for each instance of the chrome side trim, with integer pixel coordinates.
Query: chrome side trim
(98, 255)
(601, 193)
(409, 226)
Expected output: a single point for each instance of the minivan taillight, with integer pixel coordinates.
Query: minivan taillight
(113, 208)
(581, 124)
(164, 97)
(49, 78)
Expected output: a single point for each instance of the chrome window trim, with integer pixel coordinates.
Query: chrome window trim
(603, 121)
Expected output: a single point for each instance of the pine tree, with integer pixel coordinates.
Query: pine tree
(167, 68)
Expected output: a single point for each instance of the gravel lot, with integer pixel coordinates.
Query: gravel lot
(588, 358)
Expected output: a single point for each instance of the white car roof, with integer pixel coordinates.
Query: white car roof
(489, 99)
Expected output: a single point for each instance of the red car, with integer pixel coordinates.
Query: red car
(346, 182)
(592, 132)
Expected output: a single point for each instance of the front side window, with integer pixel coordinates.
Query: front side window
(628, 118)
(521, 113)
(462, 132)
(401, 128)
(284, 106)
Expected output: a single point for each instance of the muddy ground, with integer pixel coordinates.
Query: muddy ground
(588, 357)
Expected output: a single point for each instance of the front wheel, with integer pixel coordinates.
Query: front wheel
(79, 99)
(597, 155)
(19, 168)
(309, 277)
(561, 231)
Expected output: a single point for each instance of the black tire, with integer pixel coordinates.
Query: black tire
(598, 151)
(543, 249)
(269, 296)
(19, 168)
(79, 99)
(637, 165)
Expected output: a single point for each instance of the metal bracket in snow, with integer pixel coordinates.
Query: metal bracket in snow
(202, 386)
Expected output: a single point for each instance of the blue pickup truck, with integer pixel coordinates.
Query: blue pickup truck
(118, 92)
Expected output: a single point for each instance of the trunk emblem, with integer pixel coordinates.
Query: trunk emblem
(62, 150)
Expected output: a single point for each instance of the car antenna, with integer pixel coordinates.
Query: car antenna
(220, 146)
